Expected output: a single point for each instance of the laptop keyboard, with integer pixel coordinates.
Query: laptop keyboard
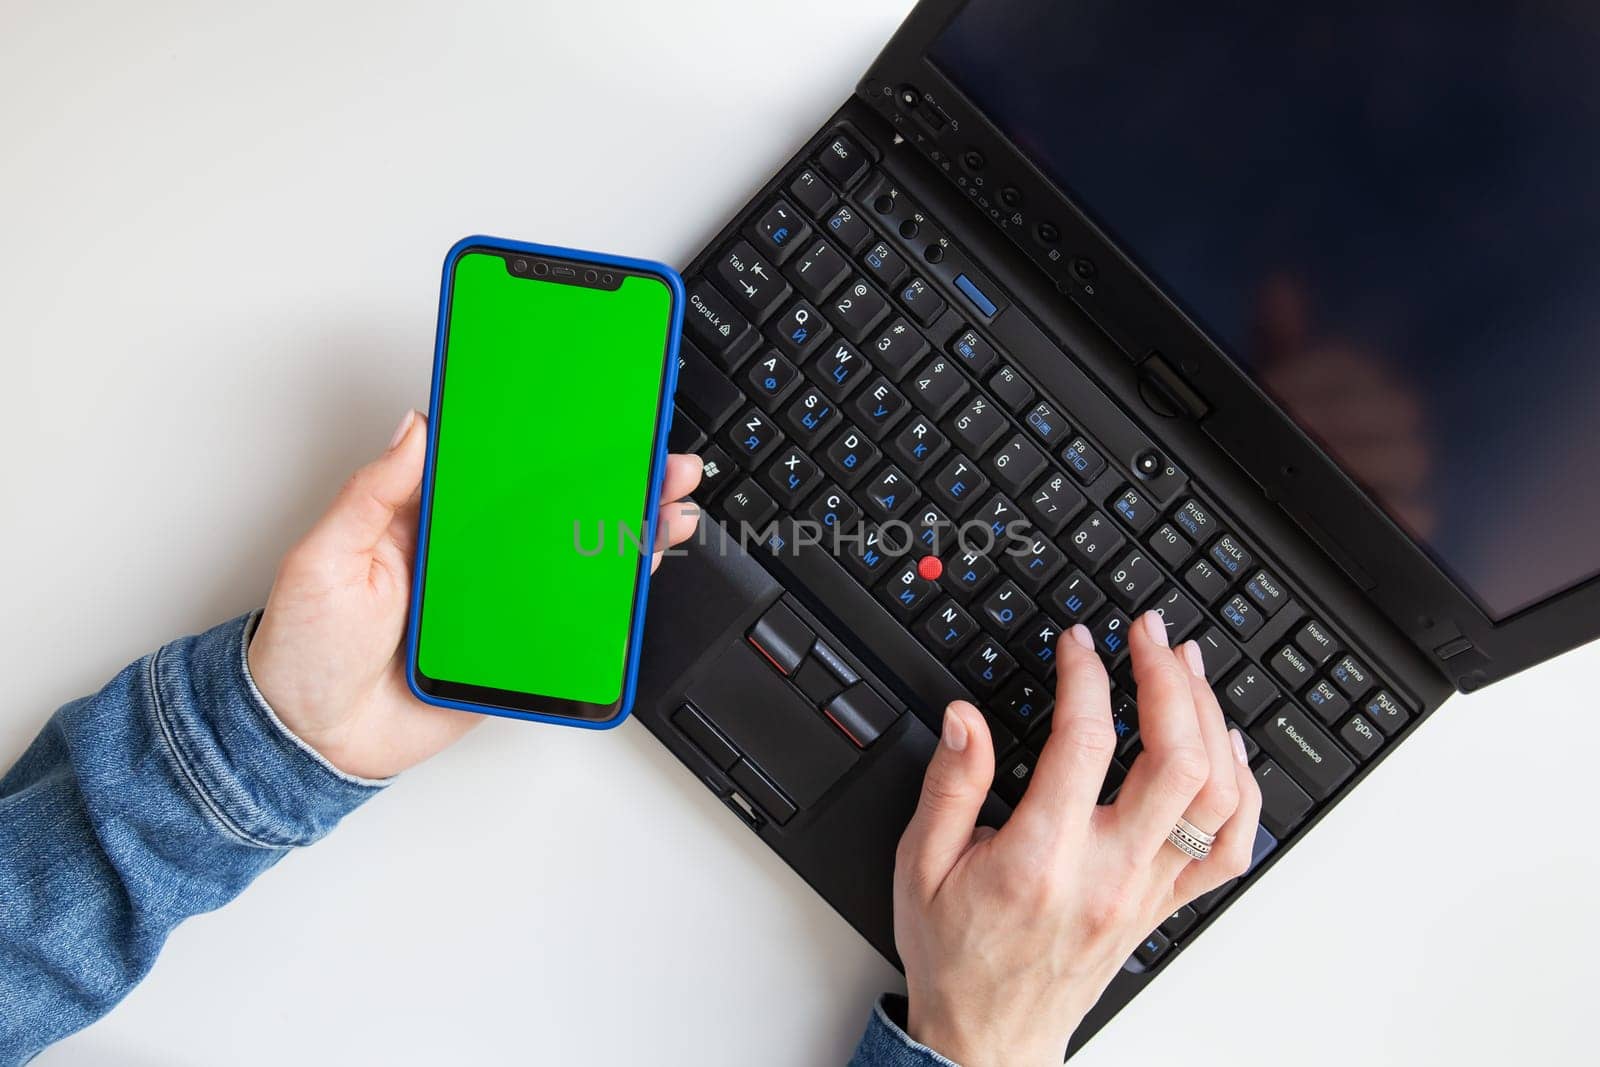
(824, 378)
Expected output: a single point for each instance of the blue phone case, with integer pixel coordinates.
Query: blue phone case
(657, 470)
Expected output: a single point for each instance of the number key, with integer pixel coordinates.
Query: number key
(975, 426)
(857, 309)
(1132, 579)
(1093, 542)
(937, 387)
(1015, 464)
(1053, 502)
(817, 271)
(896, 348)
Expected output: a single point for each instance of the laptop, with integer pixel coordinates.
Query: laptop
(1278, 324)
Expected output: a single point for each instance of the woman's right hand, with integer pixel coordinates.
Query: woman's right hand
(1009, 937)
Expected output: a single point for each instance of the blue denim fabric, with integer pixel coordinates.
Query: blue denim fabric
(886, 1043)
(160, 797)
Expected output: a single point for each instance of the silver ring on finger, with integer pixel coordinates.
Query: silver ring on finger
(1189, 839)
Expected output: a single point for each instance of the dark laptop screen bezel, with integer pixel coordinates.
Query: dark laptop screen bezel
(1403, 581)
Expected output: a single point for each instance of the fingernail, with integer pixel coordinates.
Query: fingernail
(1080, 634)
(1239, 752)
(1195, 658)
(954, 734)
(1156, 627)
(405, 424)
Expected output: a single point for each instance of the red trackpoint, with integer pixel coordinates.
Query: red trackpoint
(930, 568)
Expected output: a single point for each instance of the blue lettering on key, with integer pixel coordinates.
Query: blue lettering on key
(1112, 641)
(780, 235)
(874, 260)
(958, 489)
(920, 449)
(1074, 603)
(927, 537)
(950, 635)
(809, 420)
(870, 557)
(840, 374)
(770, 384)
(1076, 461)
(794, 481)
(830, 519)
(988, 674)
(1035, 563)
(1235, 616)
(907, 596)
(965, 348)
(850, 461)
(970, 578)
(1006, 615)
(799, 336)
(1127, 511)
(879, 412)
(752, 443)
(1040, 423)
(888, 502)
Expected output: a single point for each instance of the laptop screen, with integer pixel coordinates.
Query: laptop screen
(1388, 215)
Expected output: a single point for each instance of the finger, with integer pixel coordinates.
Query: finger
(1066, 783)
(1236, 841)
(958, 779)
(676, 525)
(682, 477)
(1174, 765)
(361, 513)
(1214, 805)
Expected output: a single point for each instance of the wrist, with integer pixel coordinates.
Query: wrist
(985, 1040)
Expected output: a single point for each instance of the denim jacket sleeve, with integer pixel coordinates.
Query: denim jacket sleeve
(160, 797)
(886, 1043)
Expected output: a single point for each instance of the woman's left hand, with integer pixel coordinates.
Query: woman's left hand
(329, 655)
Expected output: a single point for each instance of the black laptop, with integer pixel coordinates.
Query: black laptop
(1284, 325)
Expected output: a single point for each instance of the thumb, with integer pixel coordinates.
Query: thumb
(361, 514)
(958, 779)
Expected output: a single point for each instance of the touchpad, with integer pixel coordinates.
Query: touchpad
(771, 723)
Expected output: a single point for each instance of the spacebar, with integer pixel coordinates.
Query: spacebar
(817, 579)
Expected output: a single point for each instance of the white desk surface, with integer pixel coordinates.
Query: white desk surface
(222, 228)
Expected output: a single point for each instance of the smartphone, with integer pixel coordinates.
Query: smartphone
(553, 377)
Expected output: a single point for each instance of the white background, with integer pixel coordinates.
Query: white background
(220, 232)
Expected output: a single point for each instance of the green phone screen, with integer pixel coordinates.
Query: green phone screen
(545, 437)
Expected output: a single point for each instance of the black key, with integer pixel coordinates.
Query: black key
(884, 264)
(849, 456)
(842, 160)
(1005, 609)
(1093, 542)
(1316, 642)
(838, 368)
(705, 737)
(1241, 616)
(937, 387)
(1015, 464)
(1266, 591)
(1170, 546)
(1193, 519)
(1133, 509)
(1205, 581)
(1083, 460)
(1351, 676)
(999, 512)
(1110, 633)
(1301, 747)
(848, 229)
(967, 571)
(869, 555)
(861, 714)
(1046, 424)
(975, 427)
(1180, 922)
(799, 331)
(790, 477)
(857, 309)
(1033, 562)
(1231, 556)
(752, 437)
(1326, 702)
(907, 592)
(1387, 712)
(817, 682)
(716, 326)
(715, 468)
(1011, 781)
(1247, 694)
(770, 378)
(782, 637)
(761, 792)
(1152, 948)
(684, 436)
(1287, 663)
(1180, 614)
(932, 531)
(1038, 647)
(918, 444)
(1053, 503)
(986, 666)
(1361, 737)
(947, 627)
(832, 509)
(1011, 390)
(1219, 653)
(921, 301)
(818, 271)
(1284, 805)
(812, 193)
(958, 483)
(896, 347)
(780, 231)
(888, 494)
(749, 503)
(1125, 722)
(810, 415)
(754, 285)
(979, 355)
(878, 406)
(1131, 579)
(1022, 703)
(1074, 599)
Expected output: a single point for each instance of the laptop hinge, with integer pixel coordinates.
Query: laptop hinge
(1166, 393)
